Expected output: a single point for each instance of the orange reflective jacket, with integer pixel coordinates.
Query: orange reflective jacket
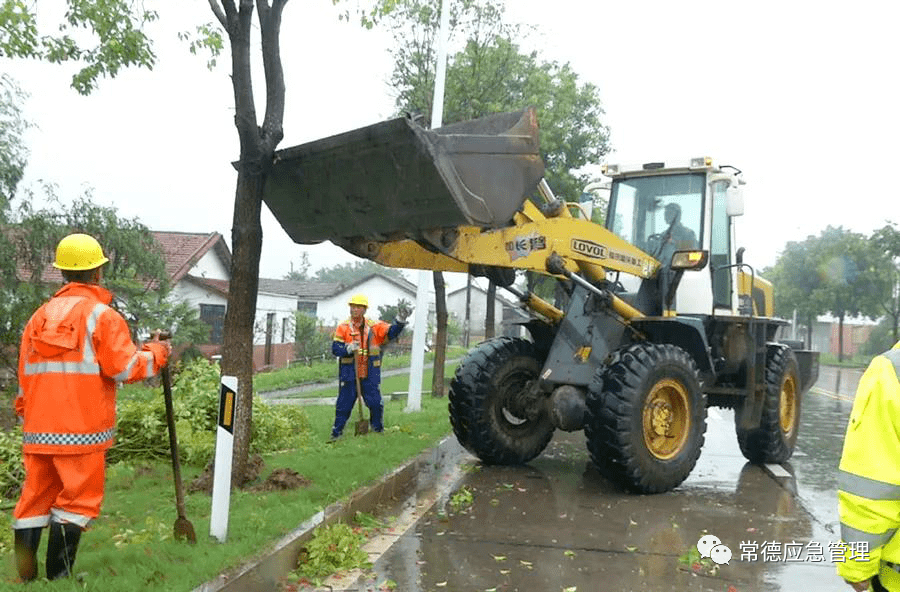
(370, 340)
(75, 348)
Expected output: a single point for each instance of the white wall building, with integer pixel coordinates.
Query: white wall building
(380, 290)
(505, 312)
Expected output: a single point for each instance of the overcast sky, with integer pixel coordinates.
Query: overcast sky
(800, 95)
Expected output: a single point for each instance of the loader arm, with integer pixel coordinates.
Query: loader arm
(584, 246)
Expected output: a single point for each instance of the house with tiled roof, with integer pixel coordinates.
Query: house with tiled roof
(199, 267)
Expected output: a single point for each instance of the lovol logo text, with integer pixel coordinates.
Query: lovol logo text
(588, 248)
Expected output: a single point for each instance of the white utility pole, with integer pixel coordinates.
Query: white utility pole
(420, 326)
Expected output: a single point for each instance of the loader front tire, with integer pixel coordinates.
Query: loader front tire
(773, 441)
(491, 411)
(646, 417)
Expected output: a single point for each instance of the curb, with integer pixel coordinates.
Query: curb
(268, 571)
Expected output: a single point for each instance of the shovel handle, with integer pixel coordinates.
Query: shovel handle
(359, 397)
(173, 439)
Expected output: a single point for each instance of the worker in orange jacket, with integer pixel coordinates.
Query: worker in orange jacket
(74, 350)
(357, 343)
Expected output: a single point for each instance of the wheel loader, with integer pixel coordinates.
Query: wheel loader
(662, 316)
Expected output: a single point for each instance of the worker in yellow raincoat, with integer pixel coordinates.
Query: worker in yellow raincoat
(869, 480)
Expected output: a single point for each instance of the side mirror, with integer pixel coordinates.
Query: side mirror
(739, 256)
(734, 201)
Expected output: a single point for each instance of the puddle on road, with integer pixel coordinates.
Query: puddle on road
(556, 524)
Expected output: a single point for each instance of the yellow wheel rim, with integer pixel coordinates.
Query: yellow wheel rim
(788, 406)
(666, 419)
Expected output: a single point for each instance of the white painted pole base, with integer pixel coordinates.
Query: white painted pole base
(221, 493)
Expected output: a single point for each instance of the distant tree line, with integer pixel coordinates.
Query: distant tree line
(844, 274)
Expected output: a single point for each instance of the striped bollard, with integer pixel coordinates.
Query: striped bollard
(221, 492)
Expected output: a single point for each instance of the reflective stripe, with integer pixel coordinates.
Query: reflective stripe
(62, 368)
(854, 535)
(55, 439)
(32, 522)
(868, 488)
(91, 324)
(61, 516)
(894, 356)
(124, 374)
(88, 363)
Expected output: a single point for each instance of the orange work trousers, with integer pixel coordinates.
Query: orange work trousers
(68, 487)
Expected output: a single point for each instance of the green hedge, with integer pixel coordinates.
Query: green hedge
(142, 433)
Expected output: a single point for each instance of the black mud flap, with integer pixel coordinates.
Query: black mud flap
(808, 364)
(396, 179)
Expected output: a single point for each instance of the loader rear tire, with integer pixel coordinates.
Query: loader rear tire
(646, 417)
(773, 441)
(487, 400)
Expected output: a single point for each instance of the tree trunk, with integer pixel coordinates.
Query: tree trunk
(467, 326)
(809, 331)
(895, 313)
(440, 340)
(489, 310)
(237, 351)
(257, 147)
(841, 337)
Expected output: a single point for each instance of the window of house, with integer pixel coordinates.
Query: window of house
(307, 307)
(214, 316)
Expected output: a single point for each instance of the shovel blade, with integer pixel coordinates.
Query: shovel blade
(362, 427)
(184, 530)
(396, 178)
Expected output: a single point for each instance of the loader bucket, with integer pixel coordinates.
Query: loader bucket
(397, 179)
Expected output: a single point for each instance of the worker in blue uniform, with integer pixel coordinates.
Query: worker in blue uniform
(357, 344)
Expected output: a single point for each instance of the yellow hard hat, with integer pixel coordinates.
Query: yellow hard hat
(360, 300)
(79, 252)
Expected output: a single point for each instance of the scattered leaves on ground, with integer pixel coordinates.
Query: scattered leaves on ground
(462, 500)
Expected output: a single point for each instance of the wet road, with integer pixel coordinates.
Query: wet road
(557, 525)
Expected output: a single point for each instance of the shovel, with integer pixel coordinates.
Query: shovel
(184, 530)
(362, 425)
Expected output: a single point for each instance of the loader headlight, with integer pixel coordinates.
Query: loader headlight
(690, 259)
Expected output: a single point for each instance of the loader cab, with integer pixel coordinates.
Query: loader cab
(667, 206)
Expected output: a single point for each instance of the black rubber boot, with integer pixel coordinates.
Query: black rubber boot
(26, 545)
(61, 549)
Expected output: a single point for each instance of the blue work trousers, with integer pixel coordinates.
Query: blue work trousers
(347, 398)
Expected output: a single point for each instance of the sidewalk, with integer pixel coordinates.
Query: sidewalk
(289, 396)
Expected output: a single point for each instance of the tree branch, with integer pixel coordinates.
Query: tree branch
(242, 83)
(270, 27)
(219, 13)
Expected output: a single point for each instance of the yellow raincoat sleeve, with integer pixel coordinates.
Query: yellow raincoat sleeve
(869, 475)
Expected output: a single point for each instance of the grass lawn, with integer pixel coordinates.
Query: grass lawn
(130, 547)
